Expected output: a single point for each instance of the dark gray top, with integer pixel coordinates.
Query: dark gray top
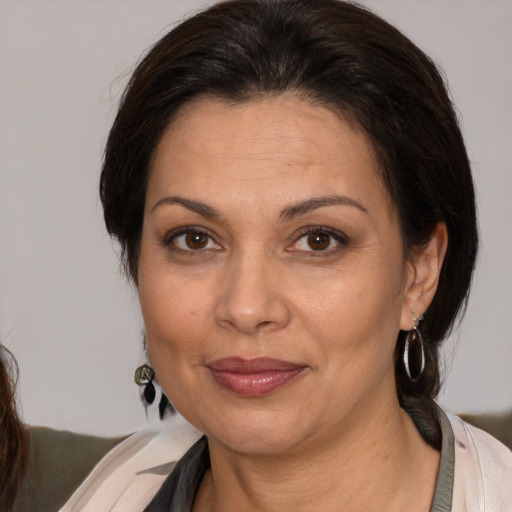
(59, 462)
(178, 491)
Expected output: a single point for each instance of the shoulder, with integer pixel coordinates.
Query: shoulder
(483, 470)
(128, 476)
(59, 461)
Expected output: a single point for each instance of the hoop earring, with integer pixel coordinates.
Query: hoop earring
(412, 339)
(144, 376)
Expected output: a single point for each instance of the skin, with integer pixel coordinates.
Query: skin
(333, 438)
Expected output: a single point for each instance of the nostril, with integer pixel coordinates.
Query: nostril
(264, 324)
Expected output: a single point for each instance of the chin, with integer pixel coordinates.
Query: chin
(264, 433)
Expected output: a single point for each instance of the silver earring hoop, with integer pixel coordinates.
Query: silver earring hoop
(414, 342)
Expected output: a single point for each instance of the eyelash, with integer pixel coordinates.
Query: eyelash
(172, 235)
(340, 238)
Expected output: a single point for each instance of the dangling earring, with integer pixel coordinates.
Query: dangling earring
(164, 405)
(414, 341)
(144, 376)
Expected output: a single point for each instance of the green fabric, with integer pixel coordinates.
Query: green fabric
(59, 462)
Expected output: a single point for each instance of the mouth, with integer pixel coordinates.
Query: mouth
(253, 377)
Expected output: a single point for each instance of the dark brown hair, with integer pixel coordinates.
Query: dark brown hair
(336, 54)
(13, 436)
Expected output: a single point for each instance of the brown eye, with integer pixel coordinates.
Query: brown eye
(196, 240)
(192, 240)
(319, 241)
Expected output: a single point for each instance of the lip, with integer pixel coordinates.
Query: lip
(253, 377)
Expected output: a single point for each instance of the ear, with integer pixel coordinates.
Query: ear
(423, 269)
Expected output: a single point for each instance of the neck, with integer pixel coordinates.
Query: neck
(379, 463)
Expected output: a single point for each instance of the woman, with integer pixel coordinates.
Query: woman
(13, 436)
(291, 191)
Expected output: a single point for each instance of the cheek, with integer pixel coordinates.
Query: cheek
(177, 337)
(355, 315)
(176, 312)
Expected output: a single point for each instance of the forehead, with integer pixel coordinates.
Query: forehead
(273, 149)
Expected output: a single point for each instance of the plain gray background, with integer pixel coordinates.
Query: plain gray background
(65, 310)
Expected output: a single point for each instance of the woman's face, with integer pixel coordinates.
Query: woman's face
(272, 275)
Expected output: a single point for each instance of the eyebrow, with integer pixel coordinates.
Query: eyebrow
(304, 207)
(202, 209)
(290, 212)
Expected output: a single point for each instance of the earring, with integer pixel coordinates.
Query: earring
(165, 405)
(414, 341)
(144, 376)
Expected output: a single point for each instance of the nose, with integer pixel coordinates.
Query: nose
(251, 299)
